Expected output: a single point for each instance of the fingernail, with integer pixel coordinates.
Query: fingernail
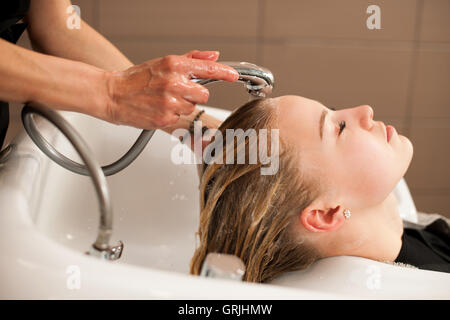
(235, 73)
(213, 54)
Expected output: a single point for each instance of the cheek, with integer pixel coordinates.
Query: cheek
(370, 170)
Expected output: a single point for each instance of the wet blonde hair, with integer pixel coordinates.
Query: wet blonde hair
(250, 215)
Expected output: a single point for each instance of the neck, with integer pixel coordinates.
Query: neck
(373, 233)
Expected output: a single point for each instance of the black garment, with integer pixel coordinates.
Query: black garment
(428, 248)
(11, 11)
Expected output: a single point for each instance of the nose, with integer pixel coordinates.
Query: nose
(366, 116)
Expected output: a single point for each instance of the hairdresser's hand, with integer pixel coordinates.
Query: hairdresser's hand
(154, 94)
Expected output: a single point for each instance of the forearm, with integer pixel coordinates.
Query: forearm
(49, 34)
(59, 83)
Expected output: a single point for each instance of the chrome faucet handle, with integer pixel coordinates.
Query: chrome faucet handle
(259, 81)
(110, 253)
(223, 266)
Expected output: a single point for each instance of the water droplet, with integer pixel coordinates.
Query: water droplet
(183, 197)
(179, 197)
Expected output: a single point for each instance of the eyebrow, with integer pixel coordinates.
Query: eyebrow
(322, 121)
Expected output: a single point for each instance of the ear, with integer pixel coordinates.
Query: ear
(318, 219)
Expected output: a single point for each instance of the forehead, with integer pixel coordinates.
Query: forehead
(299, 118)
(298, 104)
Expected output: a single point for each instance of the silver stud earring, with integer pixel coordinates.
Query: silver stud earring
(347, 214)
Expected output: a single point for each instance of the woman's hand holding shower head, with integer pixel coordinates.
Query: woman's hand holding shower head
(154, 94)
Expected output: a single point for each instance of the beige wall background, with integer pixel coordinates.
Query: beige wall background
(319, 49)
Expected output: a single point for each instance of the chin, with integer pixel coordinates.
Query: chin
(408, 145)
(407, 152)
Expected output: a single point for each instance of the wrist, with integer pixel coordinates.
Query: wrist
(108, 96)
(207, 122)
(196, 118)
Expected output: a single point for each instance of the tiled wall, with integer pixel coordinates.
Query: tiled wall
(320, 49)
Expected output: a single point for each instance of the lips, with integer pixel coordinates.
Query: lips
(389, 131)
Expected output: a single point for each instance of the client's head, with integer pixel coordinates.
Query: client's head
(329, 161)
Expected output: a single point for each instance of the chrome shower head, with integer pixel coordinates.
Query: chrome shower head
(259, 81)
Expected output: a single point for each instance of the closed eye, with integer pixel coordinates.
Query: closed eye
(342, 125)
